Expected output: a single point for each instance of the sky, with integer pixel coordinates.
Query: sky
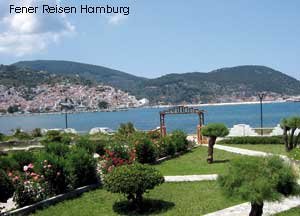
(158, 37)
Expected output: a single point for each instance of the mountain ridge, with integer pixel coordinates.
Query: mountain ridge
(224, 84)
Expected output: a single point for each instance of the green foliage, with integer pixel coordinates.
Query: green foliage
(19, 134)
(81, 167)
(259, 179)
(53, 136)
(146, 151)
(6, 187)
(13, 109)
(253, 140)
(53, 168)
(23, 158)
(58, 149)
(2, 136)
(215, 130)
(92, 146)
(8, 163)
(103, 105)
(133, 181)
(179, 138)
(294, 154)
(126, 129)
(166, 146)
(37, 132)
(293, 122)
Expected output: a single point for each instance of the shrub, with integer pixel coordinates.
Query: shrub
(179, 139)
(253, 140)
(53, 136)
(92, 146)
(58, 149)
(82, 168)
(133, 181)
(146, 151)
(294, 154)
(166, 146)
(6, 187)
(19, 134)
(23, 158)
(8, 163)
(37, 132)
(66, 138)
(2, 136)
(258, 180)
(54, 171)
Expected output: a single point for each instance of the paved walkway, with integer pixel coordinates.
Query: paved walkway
(191, 178)
(270, 208)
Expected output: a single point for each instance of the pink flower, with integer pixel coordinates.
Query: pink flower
(49, 166)
(33, 174)
(10, 174)
(36, 178)
(16, 178)
(30, 166)
(45, 167)
(25, 168)
(58, 173)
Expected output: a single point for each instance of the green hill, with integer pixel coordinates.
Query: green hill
(222, 85)
(91, 72)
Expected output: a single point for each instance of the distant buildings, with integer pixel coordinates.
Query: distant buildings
(46, 98)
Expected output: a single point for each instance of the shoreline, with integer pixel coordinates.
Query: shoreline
(148, 107)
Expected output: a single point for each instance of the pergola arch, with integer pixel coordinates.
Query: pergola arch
(182, 110)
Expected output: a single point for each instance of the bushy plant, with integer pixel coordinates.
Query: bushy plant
(112, 159)
(58, 149)
(6, 186)
(8, 163)
(166, 146)
(146, 151)
(253, 140)
(66, 138)
(82, 168)
(54, 171)
(213, 131)
(30, 186)
(23, 158)
(179, 138)
(294, 154)
(53, 136)
(126, 129)
(258, 180)
(2, 136)
(133, 181)
(21, 135)
(37, 132)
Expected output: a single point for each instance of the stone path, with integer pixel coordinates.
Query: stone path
(270, 208)
(242, 151)
(191, 178)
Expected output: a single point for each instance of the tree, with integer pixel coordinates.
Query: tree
(13, 109)
(258, 180)
(289, 127)
(126, 129)
(103, 105)
(213, 131)
(133, 181)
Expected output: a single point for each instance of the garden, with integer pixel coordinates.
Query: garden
(129, 168)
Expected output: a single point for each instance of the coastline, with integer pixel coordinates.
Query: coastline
(147, 107)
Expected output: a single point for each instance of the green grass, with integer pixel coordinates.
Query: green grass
(194, 163)
(168, 199)
(269, 148)
(292, 212)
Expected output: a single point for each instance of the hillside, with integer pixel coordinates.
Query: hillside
(222, 85)
(14, 76)
(91, 72)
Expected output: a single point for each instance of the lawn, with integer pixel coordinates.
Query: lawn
(269, 148)
(292, 212)
(194, 163)
(195, 198)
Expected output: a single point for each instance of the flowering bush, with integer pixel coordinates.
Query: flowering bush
(113, 159)
(30, 186)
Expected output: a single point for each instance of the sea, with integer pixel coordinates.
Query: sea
(148, 118)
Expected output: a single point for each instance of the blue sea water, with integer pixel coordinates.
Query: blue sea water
(148, 118)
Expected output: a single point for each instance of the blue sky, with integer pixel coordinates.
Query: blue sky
(160, 37)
